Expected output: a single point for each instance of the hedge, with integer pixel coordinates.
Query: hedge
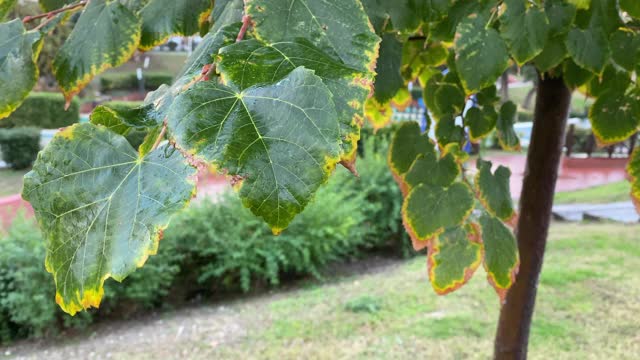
(129, 80)
(19, 146)
(215, 248)
(45, 111)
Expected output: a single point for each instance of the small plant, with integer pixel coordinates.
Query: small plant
(364, 304)
(19, 146)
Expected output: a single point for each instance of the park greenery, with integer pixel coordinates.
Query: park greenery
(275, 97)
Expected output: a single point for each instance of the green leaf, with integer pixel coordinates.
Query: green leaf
(251, 62)
(589, 48)
(632, 7)
(430, 170)
(493, 190)
(455, 11)
(105, 36)
(206, 52)
(454, 257)
(501, 259)
(574, 75)
(480, 122)
(424, 216)
(524, 30)
(506, 134)
(625, 48)
(407, 143)
(226, 12)
(615, 115)
(50, 5)
(405, 15)
(163, 18)
(19, 51)
(102, 208)
(449, 99)
(5, 7)
(581, 4)
(552, 55)
(379, 115)
(634, 176)
(340, 28)
(282, 139)
(447, 132)
(121, 120)
(481, 54)
(561, 15)
(612, 79)
(389, 79)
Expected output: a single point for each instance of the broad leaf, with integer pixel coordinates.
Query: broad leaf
(226, 12)
(613, 79)
(480, 122)
(405, 15)
(625, 48)
(120, 120)
(102, 208)
(561, 15)
(50, 5)
(251, 62)
(448, 132)
(340, 28)
(481, 54)
(501, 259)
(389, 79)
(493, 190)
(634, 176)
(589, 48)
(5, 7)
(552, 55)
(430, 170)
(524, 30)
(105, 36)
(615, 116)
(575, 76)
(163, 18)
(407, 143)
(424, 215)
(282, 139)
(453, 258)
(18, 68)
(506, 134)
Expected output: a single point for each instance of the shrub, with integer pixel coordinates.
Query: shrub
(45, 111)
(19, 146)
(129, 80)
(229, 248)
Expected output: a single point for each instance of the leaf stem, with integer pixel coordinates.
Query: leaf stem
(246, 22)
(160, 136)
(53, 13)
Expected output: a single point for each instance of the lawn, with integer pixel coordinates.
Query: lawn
(11, 181)
(614, 192)
(588, 306)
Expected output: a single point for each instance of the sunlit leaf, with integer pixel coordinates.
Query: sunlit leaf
(501, 259)
(102, 208)
(18, 68)
(5, 7)
(389, 79)
(379, 115)
(282, 139)
(105, 36)
(634, 174)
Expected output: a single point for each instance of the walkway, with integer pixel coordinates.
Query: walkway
(624, 212)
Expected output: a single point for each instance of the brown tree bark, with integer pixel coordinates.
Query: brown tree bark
(536, 200)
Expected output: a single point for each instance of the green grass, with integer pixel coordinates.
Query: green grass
(11, 181)
(587, 309)
(618, 191)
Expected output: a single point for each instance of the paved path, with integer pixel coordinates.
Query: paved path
(623, 212)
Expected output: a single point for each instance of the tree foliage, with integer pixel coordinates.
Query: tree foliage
(275, 97)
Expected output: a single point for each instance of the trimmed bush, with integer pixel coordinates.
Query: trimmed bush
(129, 80)
(19, 146)
(45, 111)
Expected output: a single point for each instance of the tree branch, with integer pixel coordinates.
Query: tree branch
(53, 13)
(160, 136)
(246, 22)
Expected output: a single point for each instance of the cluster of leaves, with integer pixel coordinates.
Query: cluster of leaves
(275, 96)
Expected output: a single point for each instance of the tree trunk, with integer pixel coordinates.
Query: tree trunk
(504, 86)
(536, 200)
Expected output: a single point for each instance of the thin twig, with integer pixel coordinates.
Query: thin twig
(53, 13)
(246, 22)
(161, 136)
